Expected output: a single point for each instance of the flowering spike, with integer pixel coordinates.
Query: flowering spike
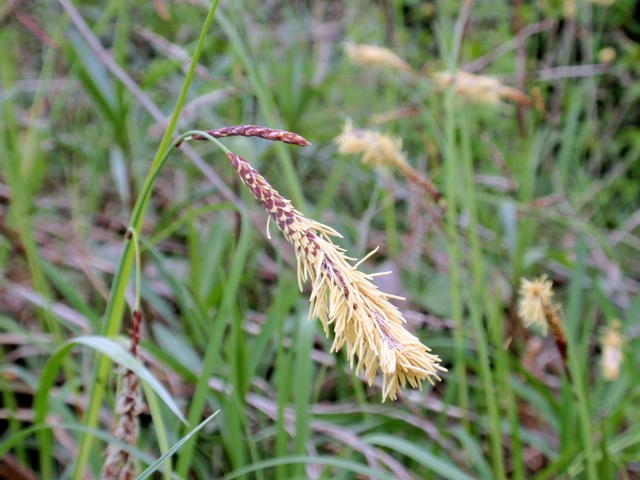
(612, 342)
(255, 131)
(485, 89)
(374, 56)
(535, 306)
(381, 150)
(362, 317)
(119, 464)
(535, 298)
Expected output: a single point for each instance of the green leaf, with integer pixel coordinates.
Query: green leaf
(421, 455)
(155, 465)
(117, 354)
(366, 472)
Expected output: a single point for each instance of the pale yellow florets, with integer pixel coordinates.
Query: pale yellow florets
(612, 344)
(365, 322)
(476, 87)
(376, 148)
(535, 302)
(362, 318)
(380, 150)
(373, 56)
(483, 89)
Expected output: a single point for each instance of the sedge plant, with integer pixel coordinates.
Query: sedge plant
(342, 297)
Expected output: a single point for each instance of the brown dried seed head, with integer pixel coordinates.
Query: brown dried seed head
(119, 464)
(271, 134)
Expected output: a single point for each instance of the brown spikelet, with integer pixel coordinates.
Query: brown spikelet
(255, 131)
(119, 464)
(362, 317)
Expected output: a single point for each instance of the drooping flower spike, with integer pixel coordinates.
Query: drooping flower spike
(536, 308)
(343, 297)
(380, 150)
(374, 56)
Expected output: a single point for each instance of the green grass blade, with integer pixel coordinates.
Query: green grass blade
(420, 454)
(113, 351)
(303, 378)
(352, 467)
(242, 49)
(116, 305)
(158, 463)
(578, 375)
(214, 342)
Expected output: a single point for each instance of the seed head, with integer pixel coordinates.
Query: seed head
(535, 302)
(376, 148)
(271, 134)
(362, 318)
(607, 55)
(535, 306)
(484, 89)
(612, 356)
(480, 88)
(373, 56)
(119, 464)
(380, 150)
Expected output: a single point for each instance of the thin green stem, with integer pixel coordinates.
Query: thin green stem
(116, 303)
(214, 342)
(266, 102)
(478, 296)
(136, 248)
(575, 365)
(455, 261)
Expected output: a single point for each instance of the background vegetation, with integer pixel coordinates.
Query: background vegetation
(87, 91)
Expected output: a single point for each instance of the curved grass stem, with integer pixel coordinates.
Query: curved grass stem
(116, 304)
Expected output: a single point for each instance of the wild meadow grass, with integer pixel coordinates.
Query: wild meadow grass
(155, 324)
